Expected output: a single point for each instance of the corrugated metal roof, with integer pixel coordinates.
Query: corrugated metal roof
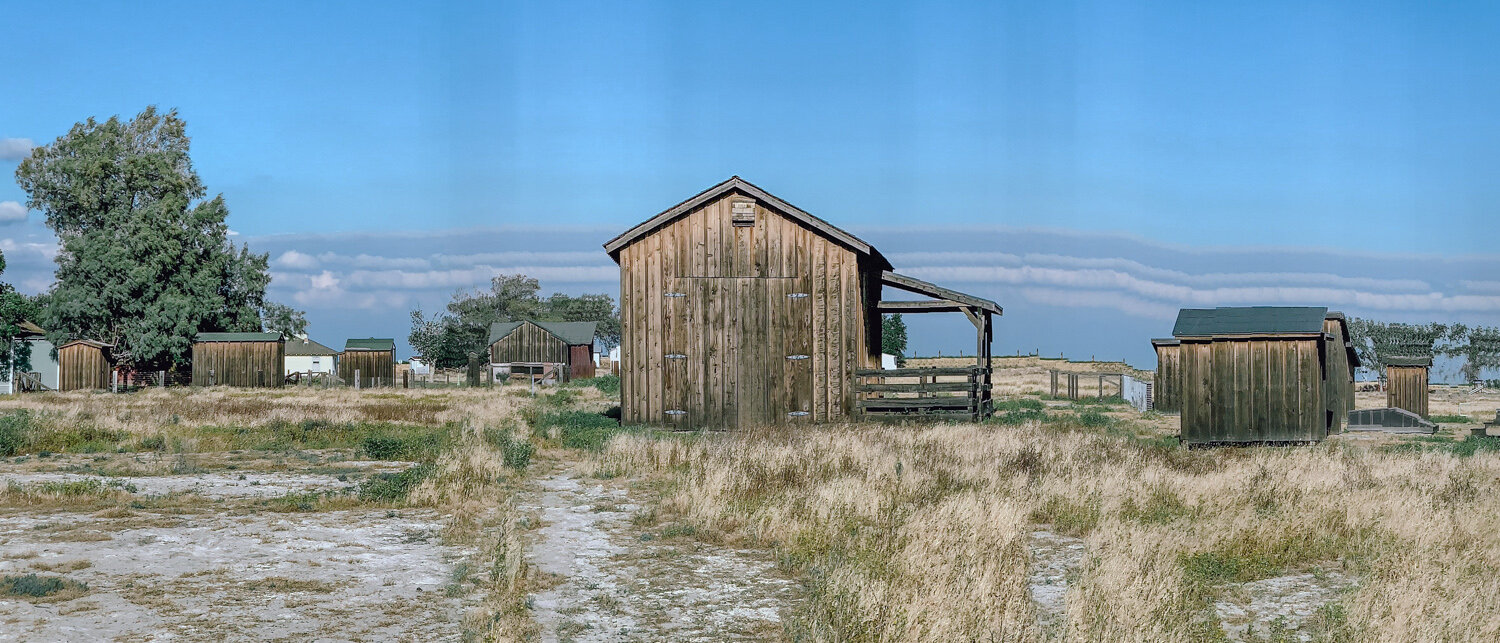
(370, 344)
(238, 337)
(297, 347)
(569, 332)
(1249, 320)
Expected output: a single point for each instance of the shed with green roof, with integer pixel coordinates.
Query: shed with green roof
(238, 359)
(368, 362)
(1260, 374)
(567, 346)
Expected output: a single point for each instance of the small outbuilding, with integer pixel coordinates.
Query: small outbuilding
(40, 373)
(1406, 383)
(567, 347)
(253, 360)
(372, 359)
(738, 309)
(1166, 388)
(307, 357)
(1258, 375)
(84, 365)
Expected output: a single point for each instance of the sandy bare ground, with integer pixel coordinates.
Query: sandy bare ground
(617, 582)
(216, 567)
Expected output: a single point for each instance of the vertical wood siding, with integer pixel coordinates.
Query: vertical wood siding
(727, 326)
(1406, 388)
(81, 367)
(1339, 389)
(1252, 390)
(250, 364)
(529, 343)
(376, 368)
(1166, 391)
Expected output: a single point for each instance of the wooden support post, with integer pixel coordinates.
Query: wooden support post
(114, 381)
(1101, 386)
(356, 379)
(1072, 386)
(1053, 373)
(163, 376)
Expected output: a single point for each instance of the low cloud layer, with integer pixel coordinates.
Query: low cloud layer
(15, 149)
(1080, 294)
(11, 212)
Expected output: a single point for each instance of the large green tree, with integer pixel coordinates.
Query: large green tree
(145, 260)
(15, 308)
(1478, 347)
(893, 337)
(446, 339)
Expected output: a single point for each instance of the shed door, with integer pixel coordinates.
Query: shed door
(736, 351)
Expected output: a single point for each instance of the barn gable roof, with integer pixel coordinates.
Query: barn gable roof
(87, 342)
(737, 184)
(238, 337)
(300, 346)
(370, 344)
(1249, 320)
(571, 333)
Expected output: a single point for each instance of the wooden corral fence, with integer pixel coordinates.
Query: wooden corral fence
(83, 365)
(1063, 382)
(958, 393)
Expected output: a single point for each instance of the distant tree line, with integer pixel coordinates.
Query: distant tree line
(144, 259)
(447, 338)
(1478, 347)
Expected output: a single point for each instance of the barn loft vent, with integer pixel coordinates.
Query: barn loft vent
(796, 357)
(676, 412)
(675, 294)
(742, 213)
(796, 295)
(798, 414)
(676, 356)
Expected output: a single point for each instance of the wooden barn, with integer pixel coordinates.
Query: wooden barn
(738, 308)
(1406, 383)
(1166, 388)
(1258, 374)
(373, 359)
(528, 345)
(83, 365)
(253, 360)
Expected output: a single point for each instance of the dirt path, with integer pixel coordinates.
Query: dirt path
(615, 581)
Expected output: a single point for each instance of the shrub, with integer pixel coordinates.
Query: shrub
(1023, 404)
(34, 586)
(607, 384)
(516, 453)
(577, 429)
(419, 445)
(393, 487)
(1452, 418)
(15, 432)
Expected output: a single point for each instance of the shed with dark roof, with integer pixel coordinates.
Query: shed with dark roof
(303, 355)
(238, 359)
(1406, 382)
(83, 365)
(540, 343)
(368, 362)
(1261, 374)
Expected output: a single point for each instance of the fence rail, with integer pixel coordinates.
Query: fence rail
(961, 393)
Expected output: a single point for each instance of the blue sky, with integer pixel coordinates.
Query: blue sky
(1192, 137)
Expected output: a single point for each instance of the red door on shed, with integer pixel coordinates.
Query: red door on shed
(580, 361)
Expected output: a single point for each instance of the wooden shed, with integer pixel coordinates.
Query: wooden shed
(529, 344)
(1166, 388)
(1256, 375)
(83, 365)
(1342, 362)
(374, 359)
(253, 360)
(1406, 383)
(738, 308)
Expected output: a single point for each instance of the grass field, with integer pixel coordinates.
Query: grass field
(434, 515)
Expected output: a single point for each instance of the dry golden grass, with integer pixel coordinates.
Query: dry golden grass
(920, 534)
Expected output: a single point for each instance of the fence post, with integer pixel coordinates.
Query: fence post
(163, 376)
(356, 379)
(405, 379)
(114, 381)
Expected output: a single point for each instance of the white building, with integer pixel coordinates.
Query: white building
(304, 355)
(43, 365)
